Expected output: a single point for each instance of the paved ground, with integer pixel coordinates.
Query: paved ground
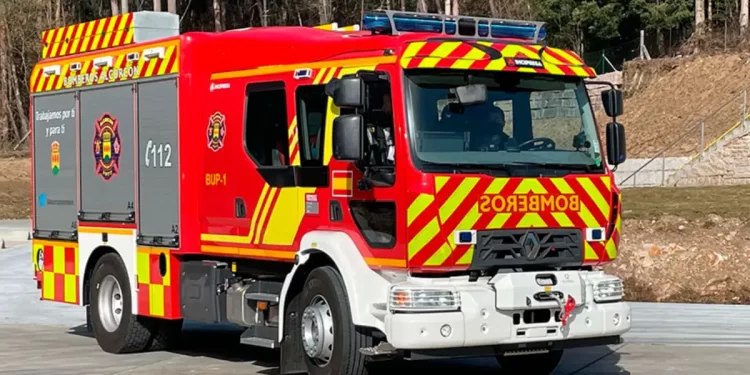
(42, 338)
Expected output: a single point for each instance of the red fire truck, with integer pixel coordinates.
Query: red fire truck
(421, 186)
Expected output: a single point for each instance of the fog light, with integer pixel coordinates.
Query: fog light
(616, 320)
(445, 330)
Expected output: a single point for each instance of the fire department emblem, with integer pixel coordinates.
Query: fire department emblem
(217, 129)
(107, 146)
(55, 157)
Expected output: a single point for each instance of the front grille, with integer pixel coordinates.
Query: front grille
(532, 247)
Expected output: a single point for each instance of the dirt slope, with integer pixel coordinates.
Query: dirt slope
(664, 97)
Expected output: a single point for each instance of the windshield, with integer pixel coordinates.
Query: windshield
(526, 119)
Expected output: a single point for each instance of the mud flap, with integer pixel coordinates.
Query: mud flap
(292, 355)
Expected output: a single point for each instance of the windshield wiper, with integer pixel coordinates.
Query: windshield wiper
(490, 169)
(589, 168)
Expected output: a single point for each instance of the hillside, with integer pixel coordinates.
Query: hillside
(665, 97)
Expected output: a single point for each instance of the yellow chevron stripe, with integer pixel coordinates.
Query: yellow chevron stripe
(68, 41)
(440, 256)
(129, 36)
(423, 237)
(98, 34)
(611, 249)
(466, 223)
(413, 49)
(578, 71)
(444, 50)
(329, 75)
(562, 219)
(63, 74)
(54, 50)
(420, 204)
(77, 39)
(498, 221)
(50, 83)
(440, 182)
(264, 214)
(468, 59)
(167, 56)
(530, 185)
(571, 60)
(531, 220)
(89, 33)
(496, 186)
(562, 186)
(588, 252)
(458, 196)
(587, 217)
(151, 67)
(320, 76)
(110, 31)
(593, 192)
(466, 258)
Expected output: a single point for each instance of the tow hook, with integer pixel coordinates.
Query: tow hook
(566, 307)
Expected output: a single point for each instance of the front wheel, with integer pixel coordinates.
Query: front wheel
(531, 364)
(329, 338)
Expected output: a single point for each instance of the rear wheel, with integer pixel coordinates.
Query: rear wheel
(532, 364)
(115, 327)
(329, 338)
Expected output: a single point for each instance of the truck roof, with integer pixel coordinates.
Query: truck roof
(70, 50)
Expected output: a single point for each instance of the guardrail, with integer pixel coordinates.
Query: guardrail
(699, 130)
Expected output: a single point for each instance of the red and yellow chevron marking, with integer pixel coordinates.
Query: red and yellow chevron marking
(335, 27)
(158, 274)
(121, 70)
(59, 274)
(463, 55)
(464, 203)
(90, 36)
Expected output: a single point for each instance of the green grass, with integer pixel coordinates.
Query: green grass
(689, 203)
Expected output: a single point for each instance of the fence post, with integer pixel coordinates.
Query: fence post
(703, 138)
(663, 168)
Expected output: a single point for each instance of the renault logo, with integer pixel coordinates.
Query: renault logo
(530, 245)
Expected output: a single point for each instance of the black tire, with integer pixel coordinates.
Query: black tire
(133, 333)
(167, 334)
(532, 364)
(345, 358)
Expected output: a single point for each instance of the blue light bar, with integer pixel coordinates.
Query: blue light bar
(392, 22)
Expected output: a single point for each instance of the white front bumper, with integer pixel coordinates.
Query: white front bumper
(481, 323)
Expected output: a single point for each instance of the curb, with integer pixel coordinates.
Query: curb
(13, 235)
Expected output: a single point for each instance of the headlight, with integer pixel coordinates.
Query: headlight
(416, 299)
(608, 290)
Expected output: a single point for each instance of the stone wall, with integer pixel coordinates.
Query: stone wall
(725, 166)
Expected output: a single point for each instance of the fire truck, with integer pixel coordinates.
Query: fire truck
(418, 186)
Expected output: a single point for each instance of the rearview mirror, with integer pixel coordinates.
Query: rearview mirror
(612, 101)
(346, 92)
(471, 94)
(348, 140)
(616, 153)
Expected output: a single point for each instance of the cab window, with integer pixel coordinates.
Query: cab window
(312, 108)
(266, 124)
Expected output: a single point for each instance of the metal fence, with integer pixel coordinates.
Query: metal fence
(701, 137)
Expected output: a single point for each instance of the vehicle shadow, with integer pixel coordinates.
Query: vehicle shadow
(221, 342)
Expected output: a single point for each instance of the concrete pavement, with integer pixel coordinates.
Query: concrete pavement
(43, 337)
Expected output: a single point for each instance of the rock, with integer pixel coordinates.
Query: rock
(715, 219)
(654, 251)
(681, 228)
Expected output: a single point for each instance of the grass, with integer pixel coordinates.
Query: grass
(689, 203)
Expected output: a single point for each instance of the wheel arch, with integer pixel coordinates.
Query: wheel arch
(363, 286)
(93, 259)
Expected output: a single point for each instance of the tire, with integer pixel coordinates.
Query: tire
(132, 334)
(532, 364)
(167, 334)
(325, 285)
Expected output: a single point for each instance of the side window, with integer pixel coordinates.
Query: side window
(379, 121)
(312, 107)
(266, 134)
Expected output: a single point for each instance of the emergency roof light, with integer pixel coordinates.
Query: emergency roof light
(393, 22)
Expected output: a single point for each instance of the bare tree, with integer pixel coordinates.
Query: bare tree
(115, 7)
(172, 6)
(218, 25)
(743, 16)
(157, 5)
(456, 10)
(421, 6)
(125, 8)
(325, 12)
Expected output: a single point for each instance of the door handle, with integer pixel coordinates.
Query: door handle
(239, 207)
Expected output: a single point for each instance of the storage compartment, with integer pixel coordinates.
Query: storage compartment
(202, 293)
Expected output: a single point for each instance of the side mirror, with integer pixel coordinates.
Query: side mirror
(346, 92)
(612, 101)
(616, 153)
(348, 140)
